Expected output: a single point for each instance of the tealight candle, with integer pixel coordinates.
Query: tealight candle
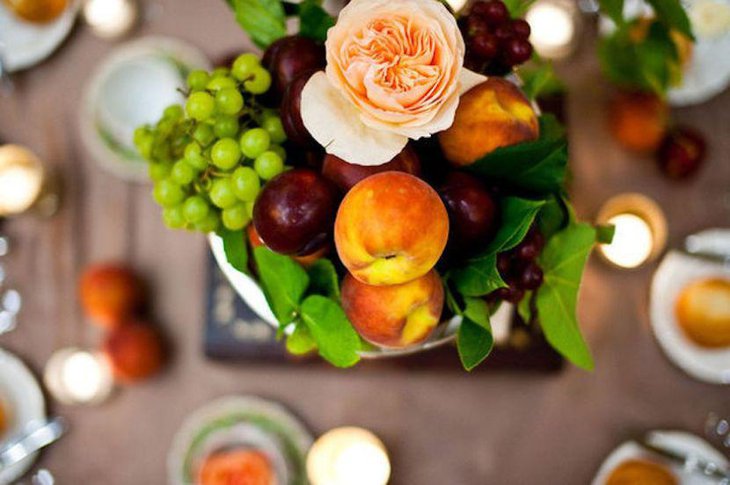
(77, 376)
(111, 18)
(348, 456)
(554, 25)
(21, 179)
(640, 230)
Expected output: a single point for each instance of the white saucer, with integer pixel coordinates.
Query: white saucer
(675, 272)
(130, 88)
(679, 441)
(23, 400)
(24, 44)
(241, 421)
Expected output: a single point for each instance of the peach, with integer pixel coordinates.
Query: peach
(391, 228)
(635, 472)
(305, 260)
(110, 294)
(134, 351)
(490, 115)
(638, 120)
(239, 467)
(345, 175)
(394, 316)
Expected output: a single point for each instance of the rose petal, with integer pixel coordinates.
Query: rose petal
(335, 123)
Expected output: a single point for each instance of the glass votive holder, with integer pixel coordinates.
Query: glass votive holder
(348, 456)
(76, 376)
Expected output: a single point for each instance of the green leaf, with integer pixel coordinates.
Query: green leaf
(314, 21)
(337, 341)
(283, 282)
(540, 80)
(234, 245)
(323, 279)
(605, 233)
(263, 20)
(553, 216)
(300, 342)
(563, 261)
(672, 14)
(474, 343)
(478, 277)
(524, 307)
(614, 9)
(537, 166)
(518, 8)
(477, 310)
(657, 54)
(517, 215)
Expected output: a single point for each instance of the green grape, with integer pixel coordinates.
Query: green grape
(279, 150)
(194, 156)
(195, 209)
(167, 193)
(236, 217)
(226, 126)
(198, 79)
(145, 146)
(182, 173)
(221, 193)
(173, 217)
(158, 171)
(254, 142)
(229, 101)
(273, 125)
(173, 112)
(260, 83)
(220, 72)
(244, 66)
(161, 151)
(249, 208)
(200, 106)
(268, 165)
(225, 153)
(246, 183)
(218, 83)
(203, 134)
(141, 133)
(210, 223)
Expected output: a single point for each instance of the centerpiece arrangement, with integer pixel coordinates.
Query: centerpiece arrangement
(378, 174)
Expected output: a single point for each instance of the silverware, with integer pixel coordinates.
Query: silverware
(710, 244)
(717, 430)
(43, 477)
(690, 463)
(37, 435)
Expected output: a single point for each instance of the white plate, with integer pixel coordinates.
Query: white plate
(24, 44)
(243, 421)
(675, 272)
(679, 441)
(131, 88)
(23, 400)
(708, 71)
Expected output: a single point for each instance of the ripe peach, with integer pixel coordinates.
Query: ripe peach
(134, 351)
(345, 175)
(492, 114)
(638, 120)
(306, 260)
(110, 294)
(391, 228)
(394, 316)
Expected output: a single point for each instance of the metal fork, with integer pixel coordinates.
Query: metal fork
(717, 430)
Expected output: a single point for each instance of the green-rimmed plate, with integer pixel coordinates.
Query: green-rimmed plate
(241, 422)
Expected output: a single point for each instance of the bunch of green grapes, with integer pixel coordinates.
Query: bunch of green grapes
(209, 159)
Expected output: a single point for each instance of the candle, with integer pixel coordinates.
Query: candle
(21, 179)
(111, 18)
(554, 25)
(348, 456)
(77, 376)
(640, 230)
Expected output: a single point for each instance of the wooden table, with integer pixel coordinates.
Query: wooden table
(442, 428)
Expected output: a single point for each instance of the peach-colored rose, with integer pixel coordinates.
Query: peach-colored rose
(394, 66)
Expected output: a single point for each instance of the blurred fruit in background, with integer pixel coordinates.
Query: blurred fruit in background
(236, 467)
(110, 294)
(638, 120)
(681, 153)
(37, 11)
(134, 351)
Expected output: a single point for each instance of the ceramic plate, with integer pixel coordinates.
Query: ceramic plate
(241, 421)
(675, 272)
(23, 401)
(24, 44)
(130, 88)
(708, 71)
(679, 441)
(251, 293)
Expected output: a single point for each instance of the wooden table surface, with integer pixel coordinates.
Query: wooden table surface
(442, 428)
